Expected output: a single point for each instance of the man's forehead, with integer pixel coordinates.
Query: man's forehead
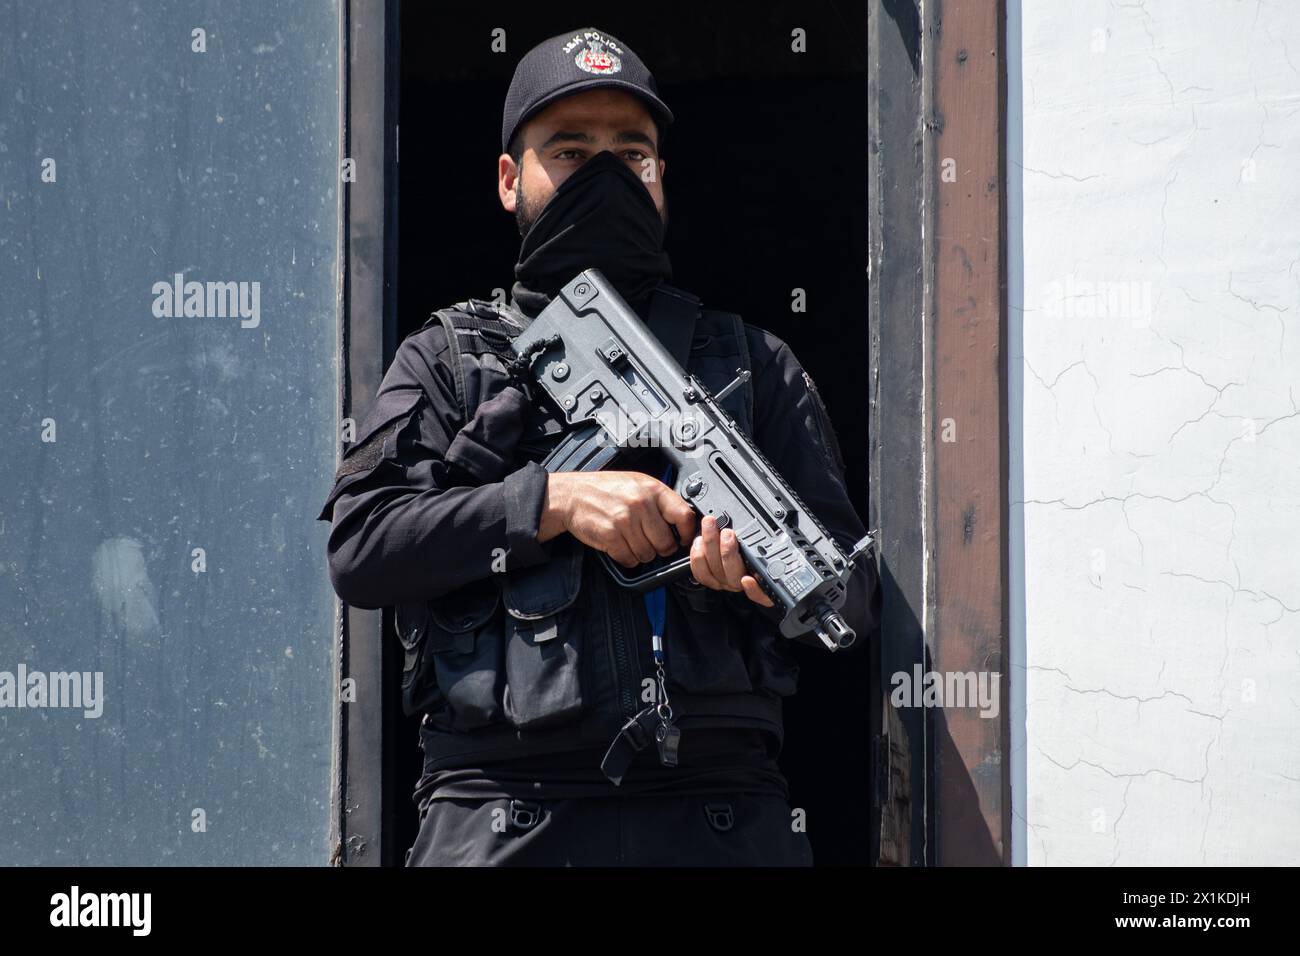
(593, 108)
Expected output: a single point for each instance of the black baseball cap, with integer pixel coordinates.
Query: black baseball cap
(571, 63)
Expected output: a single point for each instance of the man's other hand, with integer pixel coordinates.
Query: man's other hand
(716, 562)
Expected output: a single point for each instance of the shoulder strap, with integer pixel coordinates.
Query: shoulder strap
(672, 318)
(494, 327)
(479, 318)
(453, 357)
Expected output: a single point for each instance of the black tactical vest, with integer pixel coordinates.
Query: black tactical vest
(543, 654)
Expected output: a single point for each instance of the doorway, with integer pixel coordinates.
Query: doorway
(767, 189)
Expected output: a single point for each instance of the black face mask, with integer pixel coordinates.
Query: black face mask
(601, 217)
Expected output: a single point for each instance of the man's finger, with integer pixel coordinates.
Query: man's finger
(700, 566)
(621, 554)
(733, 565)
(713, 556)
(754, 591)
(658, 532)
(640, 546)
(677, 513)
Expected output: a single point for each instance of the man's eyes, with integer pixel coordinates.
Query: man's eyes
(631, 155)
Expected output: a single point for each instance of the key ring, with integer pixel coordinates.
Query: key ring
(664, 709)
(667, 735)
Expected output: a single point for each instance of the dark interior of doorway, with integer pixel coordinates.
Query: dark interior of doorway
(766, 179)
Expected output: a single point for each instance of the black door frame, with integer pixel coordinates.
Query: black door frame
(363, 829)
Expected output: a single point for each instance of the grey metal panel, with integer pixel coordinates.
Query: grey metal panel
(170, 433)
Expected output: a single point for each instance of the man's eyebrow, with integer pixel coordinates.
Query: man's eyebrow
(634, 136)
(564, 135)
(571, 136)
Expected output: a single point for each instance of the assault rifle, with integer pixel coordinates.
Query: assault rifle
(612, 380)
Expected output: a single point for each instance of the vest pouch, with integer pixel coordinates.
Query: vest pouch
(419, 689)
(544, 638)
(710, 643)
(453, 660)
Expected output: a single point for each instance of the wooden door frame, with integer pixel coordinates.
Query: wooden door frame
(937, 269)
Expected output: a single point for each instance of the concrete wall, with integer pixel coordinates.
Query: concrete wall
(1154, 272)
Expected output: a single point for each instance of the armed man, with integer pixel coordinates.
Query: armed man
(569, 720)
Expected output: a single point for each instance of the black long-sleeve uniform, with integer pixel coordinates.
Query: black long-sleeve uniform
(424, 497)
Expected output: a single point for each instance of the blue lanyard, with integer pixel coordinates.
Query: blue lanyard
(655, 600)
(654, 607)
(667, 735)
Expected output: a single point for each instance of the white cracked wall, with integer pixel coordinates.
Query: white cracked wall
(1154, 274)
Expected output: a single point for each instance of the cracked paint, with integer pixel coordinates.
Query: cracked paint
(1154, 462)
